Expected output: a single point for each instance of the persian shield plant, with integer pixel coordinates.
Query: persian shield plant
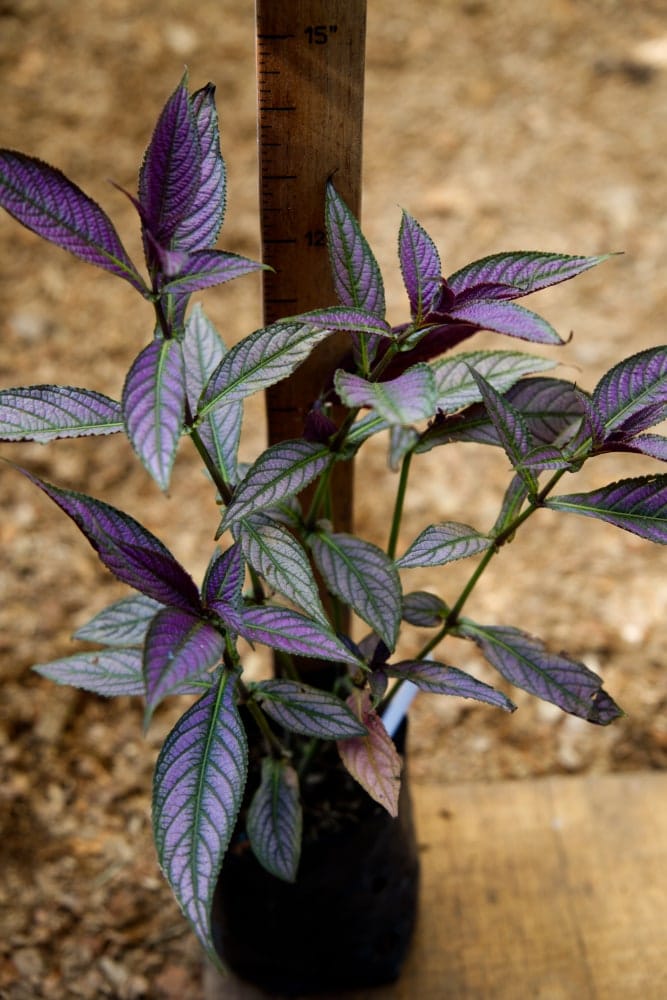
(281, 574)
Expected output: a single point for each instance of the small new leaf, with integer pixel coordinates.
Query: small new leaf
(219, 429)
(511, 428)
(420, 267)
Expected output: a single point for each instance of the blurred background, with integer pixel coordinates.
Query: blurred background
(500, 127)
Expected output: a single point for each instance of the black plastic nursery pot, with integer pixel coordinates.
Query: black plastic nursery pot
(347, 921)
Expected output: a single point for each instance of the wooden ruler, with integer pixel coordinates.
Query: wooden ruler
(310, 65)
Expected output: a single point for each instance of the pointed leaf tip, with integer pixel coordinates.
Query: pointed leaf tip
(198, 787)
(45, 201)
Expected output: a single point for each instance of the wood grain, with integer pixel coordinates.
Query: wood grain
(552, 888)
(310, 57)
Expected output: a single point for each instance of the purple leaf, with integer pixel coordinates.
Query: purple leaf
(200, 226)
(107, 672)
(198, 787)
(424, 609)
(154, 406)
(261, 359)
(515, 496)
(653, 445)
(273, 551)
(442, 543)
(420, 267)
(507, 318)
(45, 412)
(220, 430)
(438, 678)
(43, 200)
(280, 471)
(363, 576)
(123, 623)
(356, 275)
(511, 428)
(205, 268)
(502, 369)
(180, 650)
(637, 505)
(639, 421)
(404, 400)
(372, 760)
(287, 630)
(633, 385)
(524, 271)
(346, 318)
(224, 577)
(523, 660)
(274, 821)
(307, 710)
(129, 550)
(552, 409)
(170, 172)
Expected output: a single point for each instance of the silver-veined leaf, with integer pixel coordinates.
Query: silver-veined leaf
(438, 678)
(523, 660)
(274, 820)
(291, 632)
(107, 672)
(356, 275)
(281, 470)
(274, 552)
(363, 576)
(636, 505)
(442, 543)
(46, 412)
(154, 406)
(307, 710)
(123, 623)
(198, 787)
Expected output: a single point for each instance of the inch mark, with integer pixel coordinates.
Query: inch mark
(319, 34)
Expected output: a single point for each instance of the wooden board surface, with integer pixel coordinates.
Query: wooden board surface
(552, 889)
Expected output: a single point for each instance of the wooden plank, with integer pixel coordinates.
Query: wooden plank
(310, 69)
(552, 888)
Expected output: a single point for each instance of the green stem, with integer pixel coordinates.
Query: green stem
(453, 616)
(398, 505)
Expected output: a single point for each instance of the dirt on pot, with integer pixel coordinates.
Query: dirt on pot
(535, 126)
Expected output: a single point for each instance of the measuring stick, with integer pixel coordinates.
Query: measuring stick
(310, 65)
